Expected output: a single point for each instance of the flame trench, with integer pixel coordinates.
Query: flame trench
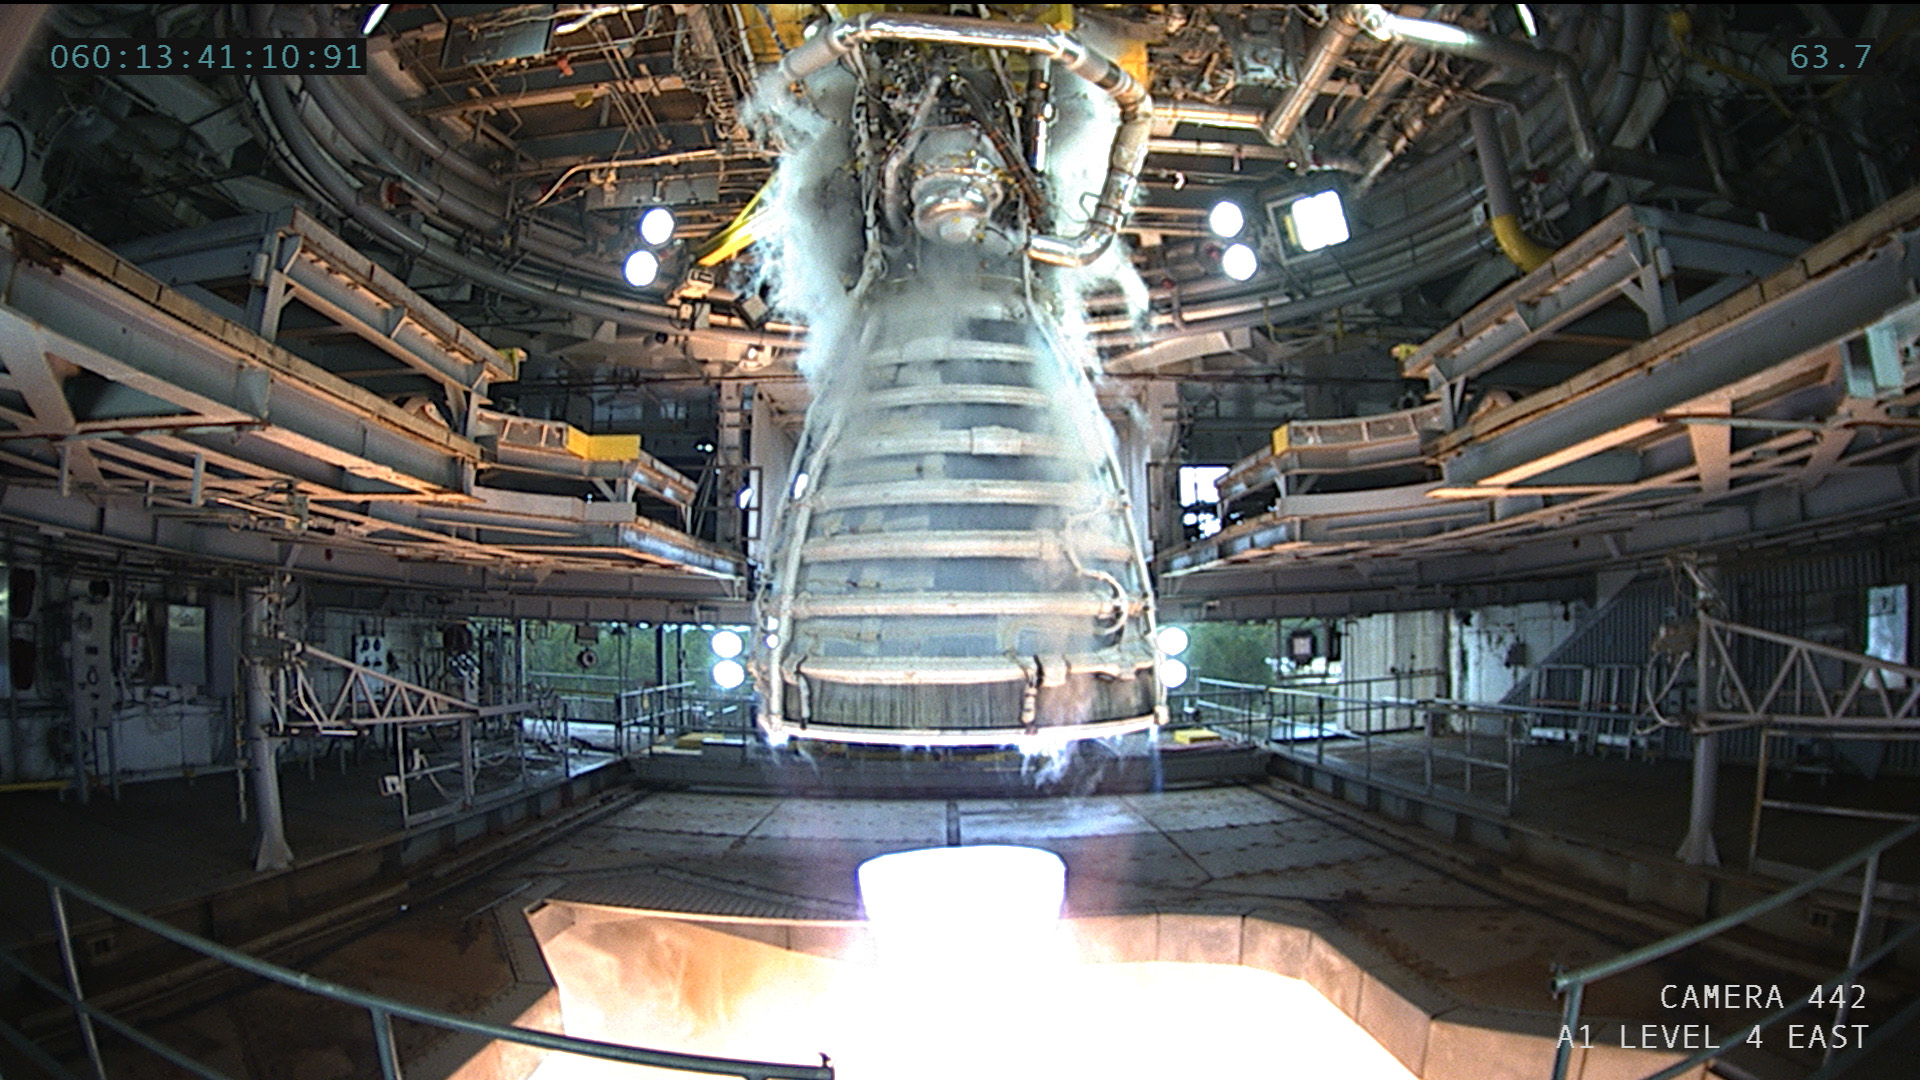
(954, 561)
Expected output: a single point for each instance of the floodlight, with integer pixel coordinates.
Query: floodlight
(1318, 221)
(1226, 219)
(641, 268)
(1239, 262)
(1171, 639)
(656, 226)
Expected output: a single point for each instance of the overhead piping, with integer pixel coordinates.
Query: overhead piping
(417, 133)
(1503, 212)
(1129, 149)
(1565, 71)
(1343, 23)
(339, 190)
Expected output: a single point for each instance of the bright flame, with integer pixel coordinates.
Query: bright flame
(655, 983)
(989, 904)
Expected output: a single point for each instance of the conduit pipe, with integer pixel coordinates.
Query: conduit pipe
(412, 130)
(1343, 23)
(1168, 115)
(1129, 142)
(1565, 71)
(326, 96)
(1503, 212)
(340, 191)
(1636, 28)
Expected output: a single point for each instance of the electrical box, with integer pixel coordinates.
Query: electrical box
(184, 645)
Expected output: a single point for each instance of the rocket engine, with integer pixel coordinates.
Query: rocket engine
(954, 558)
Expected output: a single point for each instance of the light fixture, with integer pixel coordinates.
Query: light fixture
(373, 19)
(656, 226)
(1317, 221)
(1173, 673)
(1226, 219)
(641, 268)
(726, 644)
(728, 674)
(1171, 639)
(1239, 262)
(1526, 20)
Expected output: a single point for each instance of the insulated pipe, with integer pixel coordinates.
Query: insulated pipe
(419, 135)
(326, 96)
(339, 190)
(1129, 142)
(270, 850)
(1343, 23)
(1636, 27)
(1171, 114)
(1457, 41)
(1503, 212)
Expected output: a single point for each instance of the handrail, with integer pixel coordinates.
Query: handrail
(1574, 983)
(381, 1009)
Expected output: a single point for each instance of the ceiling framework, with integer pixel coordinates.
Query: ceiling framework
(125, 389)
(423, 263)
(1789, 407)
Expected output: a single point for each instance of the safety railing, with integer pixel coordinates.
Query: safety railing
(1467, 751)
(1573, 984)
(381, 1011)
(652, 715)
(1242, 711)
(1456, 738)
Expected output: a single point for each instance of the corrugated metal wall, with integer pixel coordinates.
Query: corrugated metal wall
(1820, 595)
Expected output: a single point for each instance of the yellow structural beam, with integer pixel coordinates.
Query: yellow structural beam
(602, 447)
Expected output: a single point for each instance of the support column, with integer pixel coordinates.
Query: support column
(271, 852)
(1698, 848)
(730, 464)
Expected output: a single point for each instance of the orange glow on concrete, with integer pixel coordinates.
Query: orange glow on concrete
(672, 985)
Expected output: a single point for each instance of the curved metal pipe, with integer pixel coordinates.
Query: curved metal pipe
(1636, 29)
(1503, 212)
(326, 96)
(1248, 313)
(1343, 23)
(1129, 142)
(1565, 72)
(339, 189)
(484, 220)
(418, 134)
(1171, 114)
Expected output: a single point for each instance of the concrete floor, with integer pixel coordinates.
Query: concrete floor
(1476, 935)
